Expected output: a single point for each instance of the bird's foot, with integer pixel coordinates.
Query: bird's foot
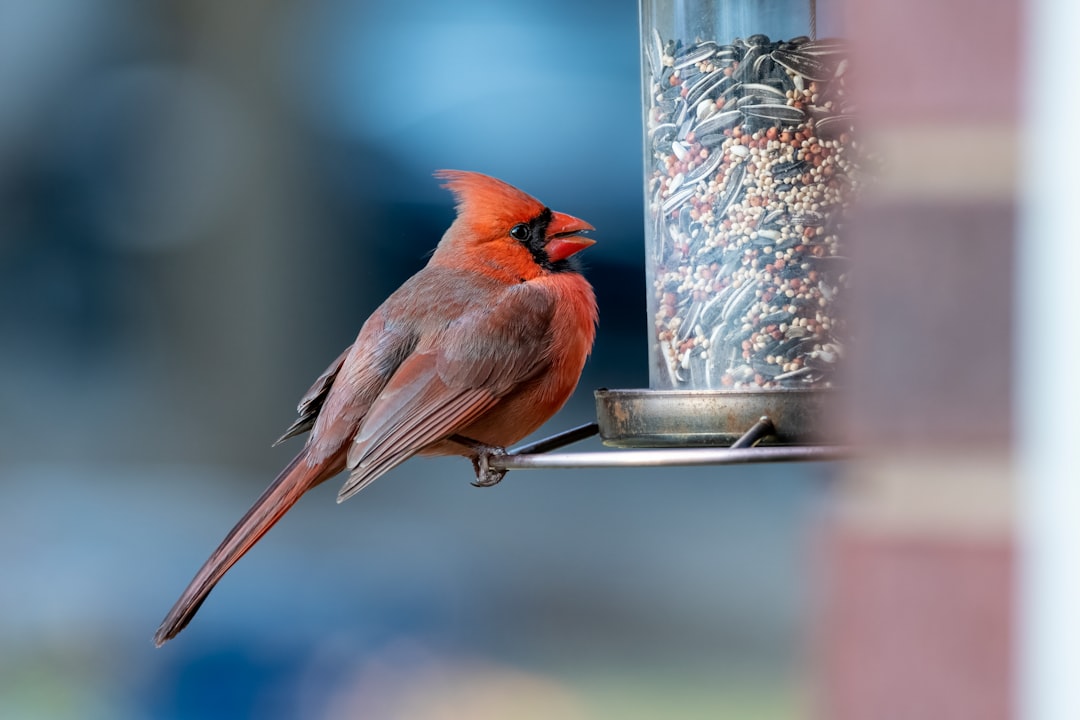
(487, 476)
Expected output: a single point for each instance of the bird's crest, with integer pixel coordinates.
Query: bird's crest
(488, 203)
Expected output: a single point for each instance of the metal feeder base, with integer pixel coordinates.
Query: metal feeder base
(701, 418)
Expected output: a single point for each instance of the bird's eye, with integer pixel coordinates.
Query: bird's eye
(520, 231)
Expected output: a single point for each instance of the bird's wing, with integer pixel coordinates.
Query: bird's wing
(313, 399)
(452, 380)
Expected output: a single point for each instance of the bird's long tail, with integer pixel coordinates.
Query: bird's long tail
(297, 478)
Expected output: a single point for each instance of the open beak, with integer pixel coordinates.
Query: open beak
(563, 237)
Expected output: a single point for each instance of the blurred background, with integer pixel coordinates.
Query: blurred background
(200, 203)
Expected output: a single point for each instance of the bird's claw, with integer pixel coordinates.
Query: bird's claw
(487, 476)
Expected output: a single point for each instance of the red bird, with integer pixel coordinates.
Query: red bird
(471, 354)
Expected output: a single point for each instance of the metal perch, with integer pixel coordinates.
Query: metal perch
(538, 455)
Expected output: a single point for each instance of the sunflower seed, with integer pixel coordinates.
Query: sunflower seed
(694, 55)
(777, 112)
(764, 90)
(706, 168)
(718, 123)
(809, 66)
(832, 127)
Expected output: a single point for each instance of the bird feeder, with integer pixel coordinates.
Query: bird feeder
(751, 169)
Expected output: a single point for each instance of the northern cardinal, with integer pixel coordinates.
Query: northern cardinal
(472, 353)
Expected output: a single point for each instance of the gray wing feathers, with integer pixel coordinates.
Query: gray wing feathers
(312, 402)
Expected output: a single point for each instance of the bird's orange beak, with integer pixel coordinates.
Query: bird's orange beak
(564, 239)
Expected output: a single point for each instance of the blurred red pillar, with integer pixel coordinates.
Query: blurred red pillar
(916, 562)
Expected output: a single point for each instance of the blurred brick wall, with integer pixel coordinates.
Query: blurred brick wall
(916, 552)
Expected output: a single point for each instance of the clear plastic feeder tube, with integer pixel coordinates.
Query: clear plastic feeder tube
(751, 168)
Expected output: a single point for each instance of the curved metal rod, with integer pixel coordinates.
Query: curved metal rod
(671, 457)
(566, 437)
(760, 430)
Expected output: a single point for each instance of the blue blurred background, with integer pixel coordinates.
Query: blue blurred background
(200, 202)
